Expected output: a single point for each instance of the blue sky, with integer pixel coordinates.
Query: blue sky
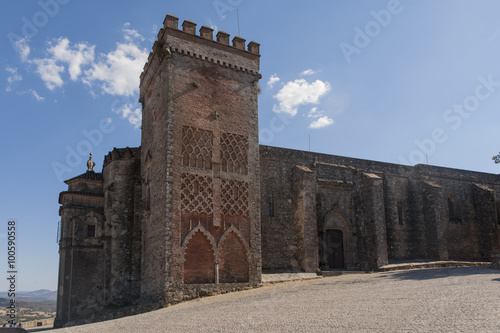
(394, 81)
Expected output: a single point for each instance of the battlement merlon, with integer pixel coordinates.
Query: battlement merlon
(189, 27)
(203, 46)
(121, 154)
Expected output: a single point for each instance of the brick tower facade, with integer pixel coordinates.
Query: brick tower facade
(200, 156)
(179, 216)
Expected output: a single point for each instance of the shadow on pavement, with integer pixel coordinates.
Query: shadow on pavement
(439, 273)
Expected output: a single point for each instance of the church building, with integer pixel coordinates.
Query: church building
(201, 208)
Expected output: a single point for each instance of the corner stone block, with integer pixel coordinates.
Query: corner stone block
(239, 43)
(171, 22)
(433, 201)
(207, 32)
(305, 225)
(189, 27)
(223, 37)
(486, 220)
(375, 212)
(254, 47)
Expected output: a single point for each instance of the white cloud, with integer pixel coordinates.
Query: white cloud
(115, 73)
(14, 77)
(23, 48)
(35, 94)
(155, 30)
(119, 70)
(299, 92)
(132, 113)
(49, 72)
(76, 55)
(212, 25)
(131, 34)
(272, 80)
(314, 113)
(307, 72)
(321, 122)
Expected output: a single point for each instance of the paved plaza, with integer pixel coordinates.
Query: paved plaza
(464, 299)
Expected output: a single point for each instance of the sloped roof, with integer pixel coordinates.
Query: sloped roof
(92, 175)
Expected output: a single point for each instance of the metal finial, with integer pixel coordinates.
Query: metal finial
(90, 163)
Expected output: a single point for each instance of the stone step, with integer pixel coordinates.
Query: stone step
(339, 273)
(268, 278)
(432, 264)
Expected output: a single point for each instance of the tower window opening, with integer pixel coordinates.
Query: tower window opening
(271, 205)
(400, 213)
(90, 231)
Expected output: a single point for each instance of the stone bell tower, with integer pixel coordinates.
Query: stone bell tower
(200, 164)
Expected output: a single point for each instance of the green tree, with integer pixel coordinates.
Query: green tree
(496, 158)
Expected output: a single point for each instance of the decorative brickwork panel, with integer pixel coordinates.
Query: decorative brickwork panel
(234, 198)
(199, 260)
(196, 193)
(197, 146)
(233, 260)
(234, 153)
(242, 223)
(191, 220)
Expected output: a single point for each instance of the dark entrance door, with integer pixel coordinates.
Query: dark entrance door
(335, 248)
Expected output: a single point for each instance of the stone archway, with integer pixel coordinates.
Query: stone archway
(233, 255)
(337, 242)
(199, 257)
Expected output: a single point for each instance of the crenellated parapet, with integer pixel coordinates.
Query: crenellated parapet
(237, 56)
(122, 154)
(189, 27)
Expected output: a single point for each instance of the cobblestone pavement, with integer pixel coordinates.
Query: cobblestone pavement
(425, 300)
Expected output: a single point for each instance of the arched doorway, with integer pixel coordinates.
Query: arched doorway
(335, 249)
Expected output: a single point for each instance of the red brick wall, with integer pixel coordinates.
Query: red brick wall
(199, 264)
(233, 260)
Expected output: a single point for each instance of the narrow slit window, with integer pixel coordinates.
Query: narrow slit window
(400, 213)
(148, 197)
(497, 203)
(90, 231)
(271, 205)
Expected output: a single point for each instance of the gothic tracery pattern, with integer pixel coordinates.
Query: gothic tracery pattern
(196, 194)
(234, 153)
(197, 146)
(234, 198)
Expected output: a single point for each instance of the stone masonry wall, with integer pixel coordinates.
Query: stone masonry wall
(427, 212)
(80, 248)
(123, 211)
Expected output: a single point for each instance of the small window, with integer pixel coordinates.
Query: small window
(400, 213)
(90, 231)
(453, 209)
(271, 205)
(497, 204)
(148, 197)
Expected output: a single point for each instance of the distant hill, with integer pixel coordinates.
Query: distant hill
(41, 295)
(31, 305)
